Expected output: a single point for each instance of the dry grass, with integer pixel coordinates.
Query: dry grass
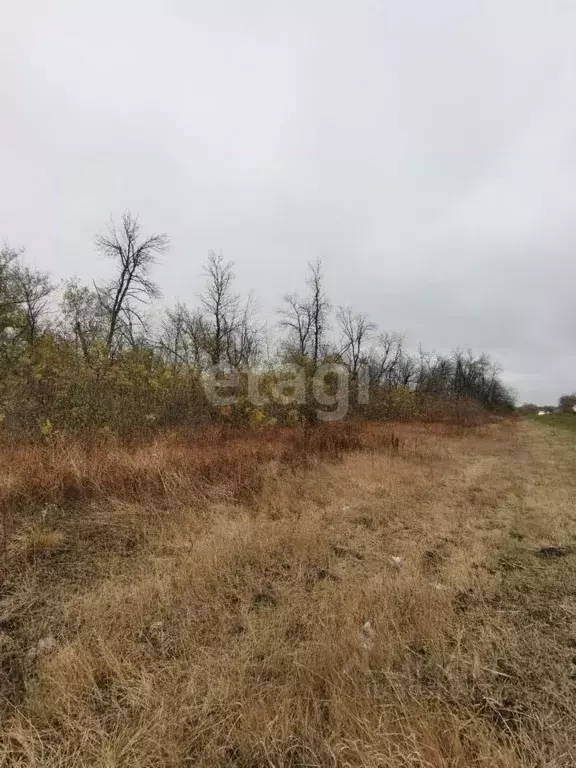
(361, 597)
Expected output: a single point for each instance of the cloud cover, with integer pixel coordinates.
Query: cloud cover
(426, 151)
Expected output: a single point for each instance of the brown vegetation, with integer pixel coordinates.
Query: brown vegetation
(98, 360)
(361, 595)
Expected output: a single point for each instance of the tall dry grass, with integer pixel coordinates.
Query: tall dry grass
(347, 596)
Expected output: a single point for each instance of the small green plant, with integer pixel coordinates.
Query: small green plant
(46, 428)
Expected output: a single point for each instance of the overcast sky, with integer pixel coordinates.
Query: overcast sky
(425, 150)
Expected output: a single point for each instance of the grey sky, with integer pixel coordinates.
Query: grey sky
(425, 150)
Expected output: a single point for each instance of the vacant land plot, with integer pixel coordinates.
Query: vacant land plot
(566, 420)
(381, 600)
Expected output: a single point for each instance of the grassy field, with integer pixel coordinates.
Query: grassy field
(377, 596)
(565, 420)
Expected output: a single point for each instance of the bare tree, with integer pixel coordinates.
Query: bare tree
(296, 318)
(220, 306)
(134, 256)
(172, 340)
(385, 361)
(133, 330)
(356, 330)
(84, 319)
(319, 308)
(243, 344)
(307, 319)
(32, 289)
(183, 337)
(224, 328)
(197, 339)
(406, 371)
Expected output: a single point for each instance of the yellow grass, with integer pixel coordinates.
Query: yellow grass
(272, 601)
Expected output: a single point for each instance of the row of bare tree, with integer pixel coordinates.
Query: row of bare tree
(102, 321)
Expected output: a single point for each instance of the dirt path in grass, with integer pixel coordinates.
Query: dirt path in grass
(397, 608)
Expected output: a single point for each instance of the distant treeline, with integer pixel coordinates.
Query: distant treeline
(90, 357)
(566, 404)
